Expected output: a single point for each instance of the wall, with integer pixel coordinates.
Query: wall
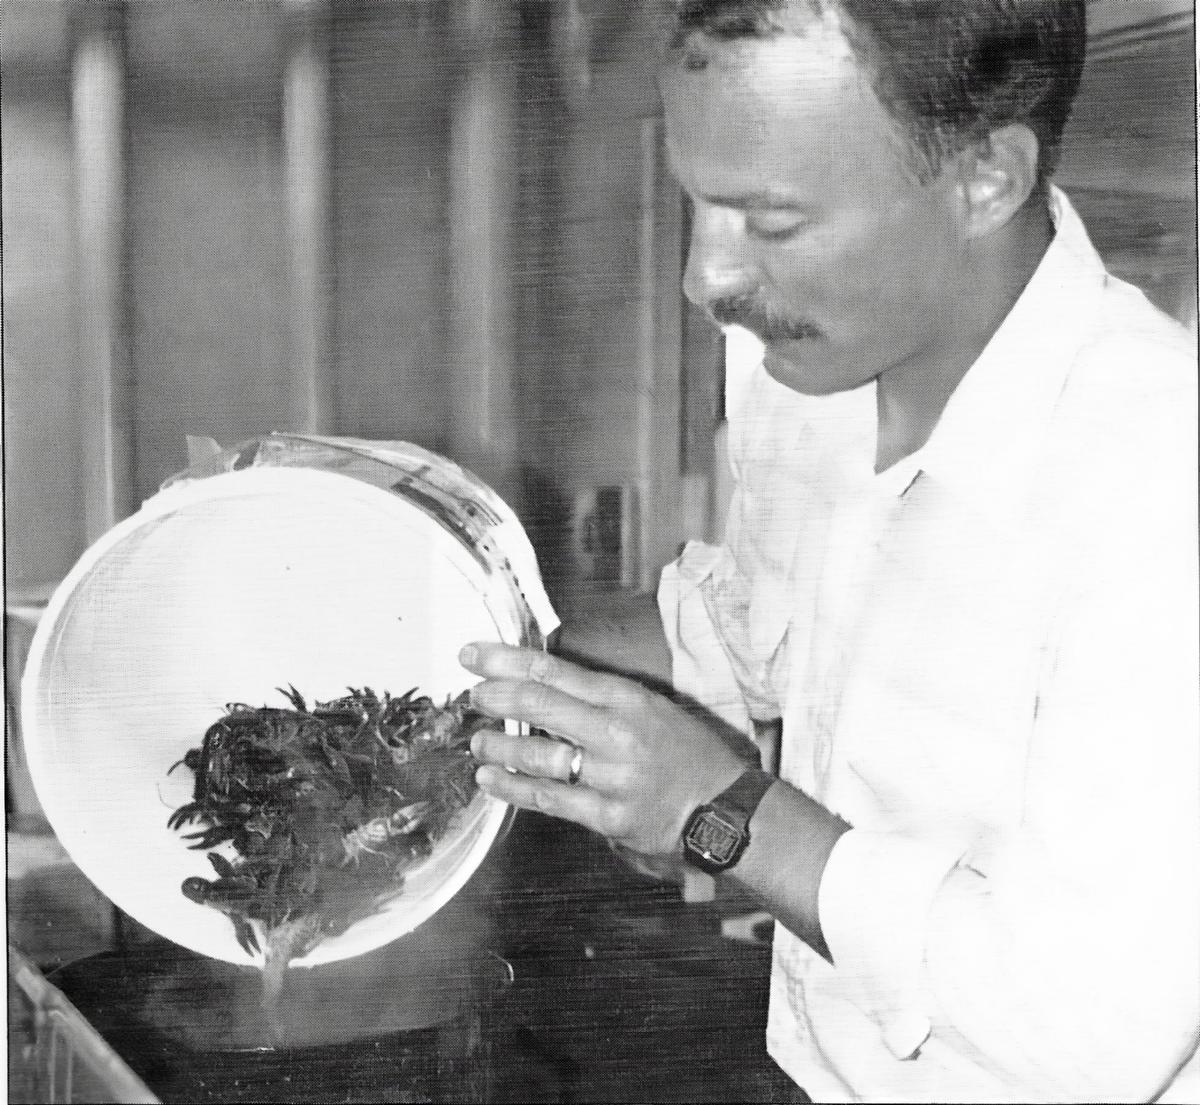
(206, 227)
(209, 248)
(391, 198)
(608, 348)
(43, 494)
(1129, 152)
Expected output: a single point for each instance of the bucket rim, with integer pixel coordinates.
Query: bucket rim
(172, 500)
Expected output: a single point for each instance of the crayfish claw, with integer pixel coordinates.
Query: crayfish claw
(196, 890)
(246, 937)
(411, 817)
(294, 697)
(210, 838)
(222, 866)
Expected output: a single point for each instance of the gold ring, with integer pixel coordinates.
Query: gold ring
(576, 767)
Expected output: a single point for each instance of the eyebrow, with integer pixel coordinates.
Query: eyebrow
(762, 198)
(765, 198)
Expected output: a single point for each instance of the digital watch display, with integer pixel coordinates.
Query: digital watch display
(718, 832)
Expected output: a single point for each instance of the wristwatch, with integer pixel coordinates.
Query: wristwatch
(718, 832)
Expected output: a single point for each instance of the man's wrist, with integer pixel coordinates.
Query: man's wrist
(717, 833)
(784, 864)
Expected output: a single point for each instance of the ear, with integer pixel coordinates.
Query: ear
(997, 177)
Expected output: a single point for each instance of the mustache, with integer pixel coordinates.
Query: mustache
(765, 324)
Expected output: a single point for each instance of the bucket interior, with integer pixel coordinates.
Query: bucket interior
(221, 592)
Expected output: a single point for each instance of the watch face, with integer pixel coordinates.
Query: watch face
(714, 837)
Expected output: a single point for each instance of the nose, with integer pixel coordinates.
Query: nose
(719, 265)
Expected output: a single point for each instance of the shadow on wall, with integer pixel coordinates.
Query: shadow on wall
(546, 515)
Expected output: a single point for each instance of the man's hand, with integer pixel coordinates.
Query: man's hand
(644, 762)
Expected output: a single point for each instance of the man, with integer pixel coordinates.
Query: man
(974, 611)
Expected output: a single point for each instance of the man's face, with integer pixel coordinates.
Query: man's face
(808, 229)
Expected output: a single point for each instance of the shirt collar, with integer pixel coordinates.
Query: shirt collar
(985, 441)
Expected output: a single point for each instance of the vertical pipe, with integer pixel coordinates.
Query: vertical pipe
(640, 571)
(663, 499)
(98, 123)
(483, 144)
(306, 138)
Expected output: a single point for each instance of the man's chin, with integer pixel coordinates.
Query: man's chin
(800, 366)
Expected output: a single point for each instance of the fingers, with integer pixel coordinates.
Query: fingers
(582, 805)
(530, 755)
(504, 662)
(544, 707)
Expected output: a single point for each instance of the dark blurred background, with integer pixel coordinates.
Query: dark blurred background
(441, 221)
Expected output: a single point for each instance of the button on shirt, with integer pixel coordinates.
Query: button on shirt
(985, 659)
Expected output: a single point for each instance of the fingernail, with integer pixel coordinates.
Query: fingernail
(477, 745)
(485, 777)
(467, 655)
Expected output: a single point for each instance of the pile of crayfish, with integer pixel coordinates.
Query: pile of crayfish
(326, 809)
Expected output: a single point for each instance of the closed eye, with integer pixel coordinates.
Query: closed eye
(775, 226)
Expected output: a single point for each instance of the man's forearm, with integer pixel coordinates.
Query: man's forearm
(791, 838)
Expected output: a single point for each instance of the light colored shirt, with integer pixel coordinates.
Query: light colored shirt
(985, 659)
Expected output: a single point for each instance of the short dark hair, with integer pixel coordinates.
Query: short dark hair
(948, 71)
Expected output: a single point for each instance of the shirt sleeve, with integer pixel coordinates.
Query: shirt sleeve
(701, 663)
(723, 652)
(1070, 966)
(728, 610)
(706, 602)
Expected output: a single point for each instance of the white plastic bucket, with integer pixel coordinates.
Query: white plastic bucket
(221, 590)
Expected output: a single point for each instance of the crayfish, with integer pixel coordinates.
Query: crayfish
(325, 810)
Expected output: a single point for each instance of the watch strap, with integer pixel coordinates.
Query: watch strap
(747, 791)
